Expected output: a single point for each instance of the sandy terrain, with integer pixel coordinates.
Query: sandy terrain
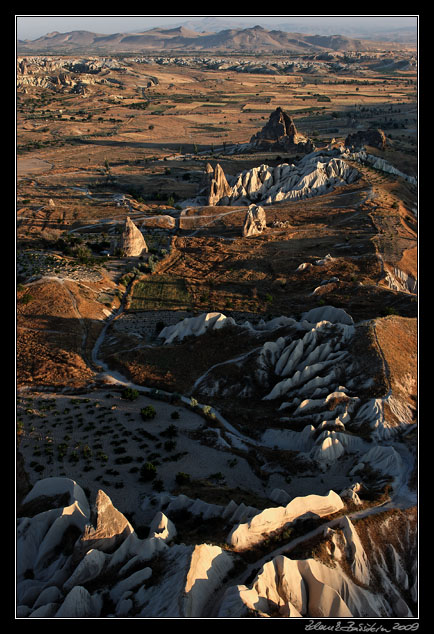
(28, 166)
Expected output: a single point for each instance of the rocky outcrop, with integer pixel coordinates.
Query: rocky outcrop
(373, 137)
(245, 536)
(214, 187)
(316, 588)
(107, 528)
(315, 174)
(155, 577)
(255, 221)
(148, 577)
(132, 243)
(280, 133)
(377, 163)
(195, 326)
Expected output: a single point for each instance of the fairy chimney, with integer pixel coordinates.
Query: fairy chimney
(255, 221)
(214, 187)
(132, 243)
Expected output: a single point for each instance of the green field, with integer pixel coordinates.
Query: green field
(160, 292)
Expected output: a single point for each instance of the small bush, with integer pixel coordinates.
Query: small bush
(182, 478)
(170, 432)
(170, 445)
(148, 412)
(130, 394)
(148, 472)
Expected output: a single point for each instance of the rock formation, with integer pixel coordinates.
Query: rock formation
(256, 530)
(195, 326)
(214, 186)
(315, 174)
(378, 163)
(107, 527)
(309, 587)
(132, 243)
(155, 577)
(53, 582)
(255, 221)
(280, 133)
(373, 137)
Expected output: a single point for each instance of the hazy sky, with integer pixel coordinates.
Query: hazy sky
(33, 26)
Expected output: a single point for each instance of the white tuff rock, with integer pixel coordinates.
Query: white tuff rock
(247, 535)
(255, 221)
(132, 243)
(195, 326)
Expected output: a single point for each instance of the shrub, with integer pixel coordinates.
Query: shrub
(174, 415)
(388, 310)
(170, 445)
(182, 478)
(158, 485)
(170, 432)
(130, 394)
(148, 472)
(25, 299)
(74, 457)
(148, 412)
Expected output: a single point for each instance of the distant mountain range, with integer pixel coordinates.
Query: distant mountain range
(182, 38)
(388, 31)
